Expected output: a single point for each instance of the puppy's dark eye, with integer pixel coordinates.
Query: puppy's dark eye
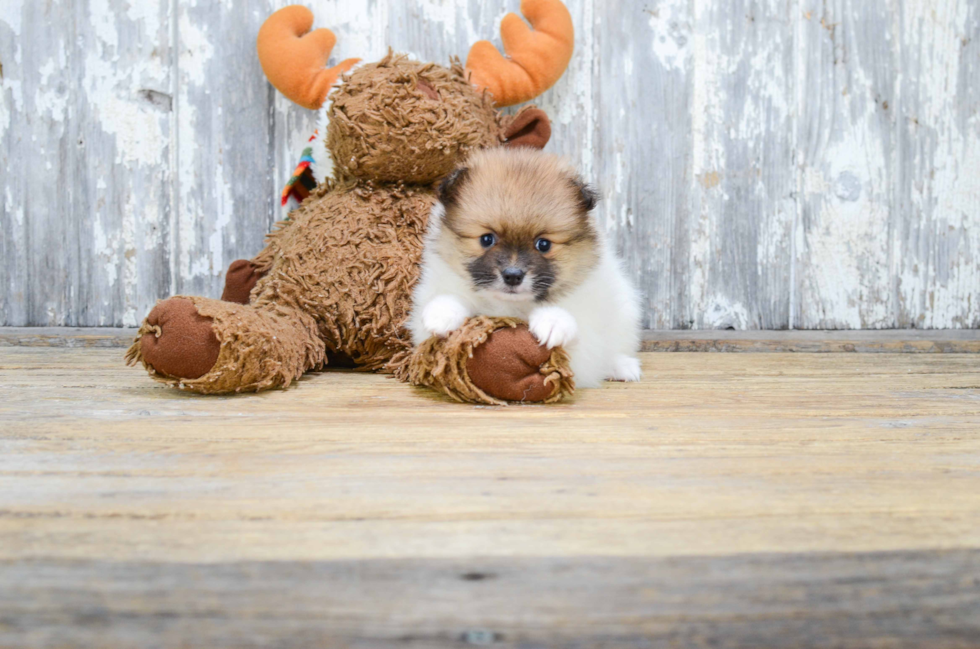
(488, 240)
(542, 245)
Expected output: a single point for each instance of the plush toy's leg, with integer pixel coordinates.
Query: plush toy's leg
(216, 347)
(240, 279)
(493, 361)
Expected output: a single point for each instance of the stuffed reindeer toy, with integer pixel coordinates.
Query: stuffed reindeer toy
(334, 283)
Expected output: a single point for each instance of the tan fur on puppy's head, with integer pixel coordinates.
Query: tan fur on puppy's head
(513, 200)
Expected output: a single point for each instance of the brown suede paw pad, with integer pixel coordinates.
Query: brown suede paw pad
(507, 366)
(178, 341)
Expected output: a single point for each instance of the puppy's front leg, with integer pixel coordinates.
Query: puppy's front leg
(553, 326)
(444, 314)
(626, 368)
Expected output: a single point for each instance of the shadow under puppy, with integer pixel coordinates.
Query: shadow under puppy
(513, 235)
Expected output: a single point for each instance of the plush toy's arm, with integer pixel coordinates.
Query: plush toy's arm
(489, 360)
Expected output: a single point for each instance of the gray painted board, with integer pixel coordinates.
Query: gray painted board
(848, 157)
(907, 599)
(763, 164)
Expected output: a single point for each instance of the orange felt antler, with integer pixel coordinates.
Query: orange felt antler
(294, 60)
(535, 59)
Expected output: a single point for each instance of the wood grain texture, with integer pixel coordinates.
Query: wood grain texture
(936, 263)
(848, 156)
(33, 239)
(905, 341)
(799, 600)
(85, 136)
(224, 142)
(642, 87)
(764, 164)
(727, 500)
(743, 164)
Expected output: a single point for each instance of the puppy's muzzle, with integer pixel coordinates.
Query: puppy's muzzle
(512, 276)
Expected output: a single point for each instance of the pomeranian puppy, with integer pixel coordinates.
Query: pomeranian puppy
(513, 235)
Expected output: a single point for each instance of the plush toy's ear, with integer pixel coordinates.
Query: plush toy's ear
(449, 188)
(530, 127)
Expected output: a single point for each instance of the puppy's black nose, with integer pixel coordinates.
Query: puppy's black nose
(512, 276)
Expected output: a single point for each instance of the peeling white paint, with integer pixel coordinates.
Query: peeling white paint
(112, 89)
(148, 13)
(5, 115)
(49, 98)
(441, 15)
(844, 277)
(670, 32)
(139, 130)
(102, 18)
(128, 247)
(942, 287)
(10, 14)
(708, 158)
(722, 313)
(587, 112)
(568, 103)
(105, 245)
(889, 198)
(324, 164)
(216, 243)
(10, 87)
(851, 233)
(361, 29)
(617, 214)
(189, 208)
(708, 65)
(12, 207)
(196, 50)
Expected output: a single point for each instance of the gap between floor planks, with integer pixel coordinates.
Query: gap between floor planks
(797, 341)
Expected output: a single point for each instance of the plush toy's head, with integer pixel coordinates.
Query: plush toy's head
(401, 120)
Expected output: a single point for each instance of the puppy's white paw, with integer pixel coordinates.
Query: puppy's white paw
(553, 326)
(626, 368)
(443, 315)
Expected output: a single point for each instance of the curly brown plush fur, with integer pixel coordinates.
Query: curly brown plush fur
(526, 371)
(337, 276)
(385, 126)
(346, 257)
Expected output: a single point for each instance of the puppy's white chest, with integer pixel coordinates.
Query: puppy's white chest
(504, 309)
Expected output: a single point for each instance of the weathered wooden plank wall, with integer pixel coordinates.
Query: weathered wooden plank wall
(764, 163)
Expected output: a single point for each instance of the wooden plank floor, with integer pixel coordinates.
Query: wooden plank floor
(912, 341)
(728, 500)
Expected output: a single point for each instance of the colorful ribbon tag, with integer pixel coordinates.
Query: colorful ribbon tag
(302, 182)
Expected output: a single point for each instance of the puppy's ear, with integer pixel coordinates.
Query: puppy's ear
(449, 188)
(587, 197)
